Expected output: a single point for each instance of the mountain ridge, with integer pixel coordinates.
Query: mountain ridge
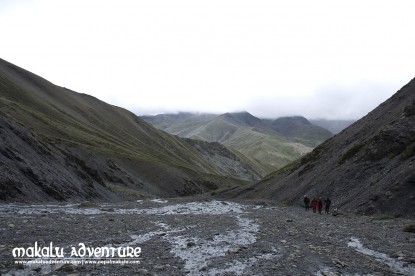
(109, 150)
(266, 147)
(368, 168)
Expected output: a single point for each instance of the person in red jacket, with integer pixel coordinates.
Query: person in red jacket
(314, 204)
(320, 205)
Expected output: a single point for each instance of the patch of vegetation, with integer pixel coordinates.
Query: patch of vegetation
(311, 135)
(218, 130)
(408, 152)
(312, 156)
(351, 152)
(410, 228)
(123, 189)
(306, 168)
(270, 152)
(383, 217)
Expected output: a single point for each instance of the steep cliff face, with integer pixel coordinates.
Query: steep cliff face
(61, 145)
(367, 168)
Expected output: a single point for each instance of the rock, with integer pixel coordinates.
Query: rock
(56, 267)
(234, 250)
(88, 204)
(11, 225)
(142, 271)
(329, 273)
(339, 263)
(400, 254)
(190, 244)
(337, 212)
(107, 209)
(64, 267)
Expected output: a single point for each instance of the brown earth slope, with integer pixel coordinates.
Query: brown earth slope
(368, 168)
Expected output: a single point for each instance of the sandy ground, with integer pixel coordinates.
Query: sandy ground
(207, 237)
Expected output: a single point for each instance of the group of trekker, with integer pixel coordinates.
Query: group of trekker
(317, 204)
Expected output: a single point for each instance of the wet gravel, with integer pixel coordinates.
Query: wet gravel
(210, 237)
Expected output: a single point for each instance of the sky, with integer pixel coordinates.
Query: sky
(319, 59)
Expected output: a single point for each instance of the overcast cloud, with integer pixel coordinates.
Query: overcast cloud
(321, 59)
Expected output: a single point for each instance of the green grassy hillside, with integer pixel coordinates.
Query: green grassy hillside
(269, 151)
(266, 146)
(79, 125)
(300, 130)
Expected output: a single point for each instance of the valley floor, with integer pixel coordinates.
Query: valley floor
(209, 237)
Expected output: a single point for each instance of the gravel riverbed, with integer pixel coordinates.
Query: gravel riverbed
(208, 237)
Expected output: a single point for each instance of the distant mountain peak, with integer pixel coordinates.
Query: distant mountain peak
(296, 120)
(243, 118)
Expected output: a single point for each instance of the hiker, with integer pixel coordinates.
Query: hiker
(306, 202)
(320, 205)
(314, 204)
(327, 204)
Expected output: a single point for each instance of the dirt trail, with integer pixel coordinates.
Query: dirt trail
(209, 237)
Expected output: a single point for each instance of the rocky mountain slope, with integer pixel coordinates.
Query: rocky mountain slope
(267, 144)
(300, 130)
(367, 168)
(61, 145)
